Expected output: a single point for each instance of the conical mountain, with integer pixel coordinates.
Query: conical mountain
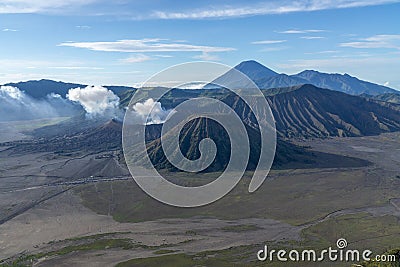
(255, 70)
(287, 154)
(251, 68)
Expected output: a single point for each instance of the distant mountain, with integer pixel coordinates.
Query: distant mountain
(42, 88)
(266, 78)
(254, 70)
(119, 90)
(262, 76)
(343, 83)
(280, 80)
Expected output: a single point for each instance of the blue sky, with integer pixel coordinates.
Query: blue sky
(125, 42)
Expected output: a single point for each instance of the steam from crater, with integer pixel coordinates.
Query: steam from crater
(17, 105)
(96, 100)
(157, 114)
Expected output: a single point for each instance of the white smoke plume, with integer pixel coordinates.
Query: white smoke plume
(10, 91)
(157, 113)
(96, 100)
(16, 105)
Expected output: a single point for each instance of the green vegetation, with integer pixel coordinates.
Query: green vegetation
(361, 230)
(293, 196)
(173, 261)
(99, 244)
(96, 236)
(287, 197)
(243, 256)
(96, 245)
(223, 258)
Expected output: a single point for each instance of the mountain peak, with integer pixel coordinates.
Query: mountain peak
(41, 88)
(255, 70)
(251, 68)
(250, 62)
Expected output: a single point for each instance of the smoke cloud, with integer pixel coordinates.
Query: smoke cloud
(16, 105)
(157, 113)
(96, 100)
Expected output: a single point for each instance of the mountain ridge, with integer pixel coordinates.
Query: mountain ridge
(41, 88)
(262, 76)
(343, 82)
(306, 111)
(334, 81)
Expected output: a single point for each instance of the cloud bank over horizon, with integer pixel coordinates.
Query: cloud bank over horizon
(95, 101)
(16, 105)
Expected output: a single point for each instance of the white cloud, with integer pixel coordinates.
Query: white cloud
(322, 52)
(9, 30)
(136, 59)
(118, 8)
(193, 85)
(10, 91)
(163, 56)
(265, 8)
(76, 68)
(39, 6)
(207, 56)
(96, 100)
(312, 37)
(272, 49)
(83, 27)
(148, 46)
(145, 45)
(376, 41)
(150, 112)
(17, 105)
(301, 31)
(269, 42)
